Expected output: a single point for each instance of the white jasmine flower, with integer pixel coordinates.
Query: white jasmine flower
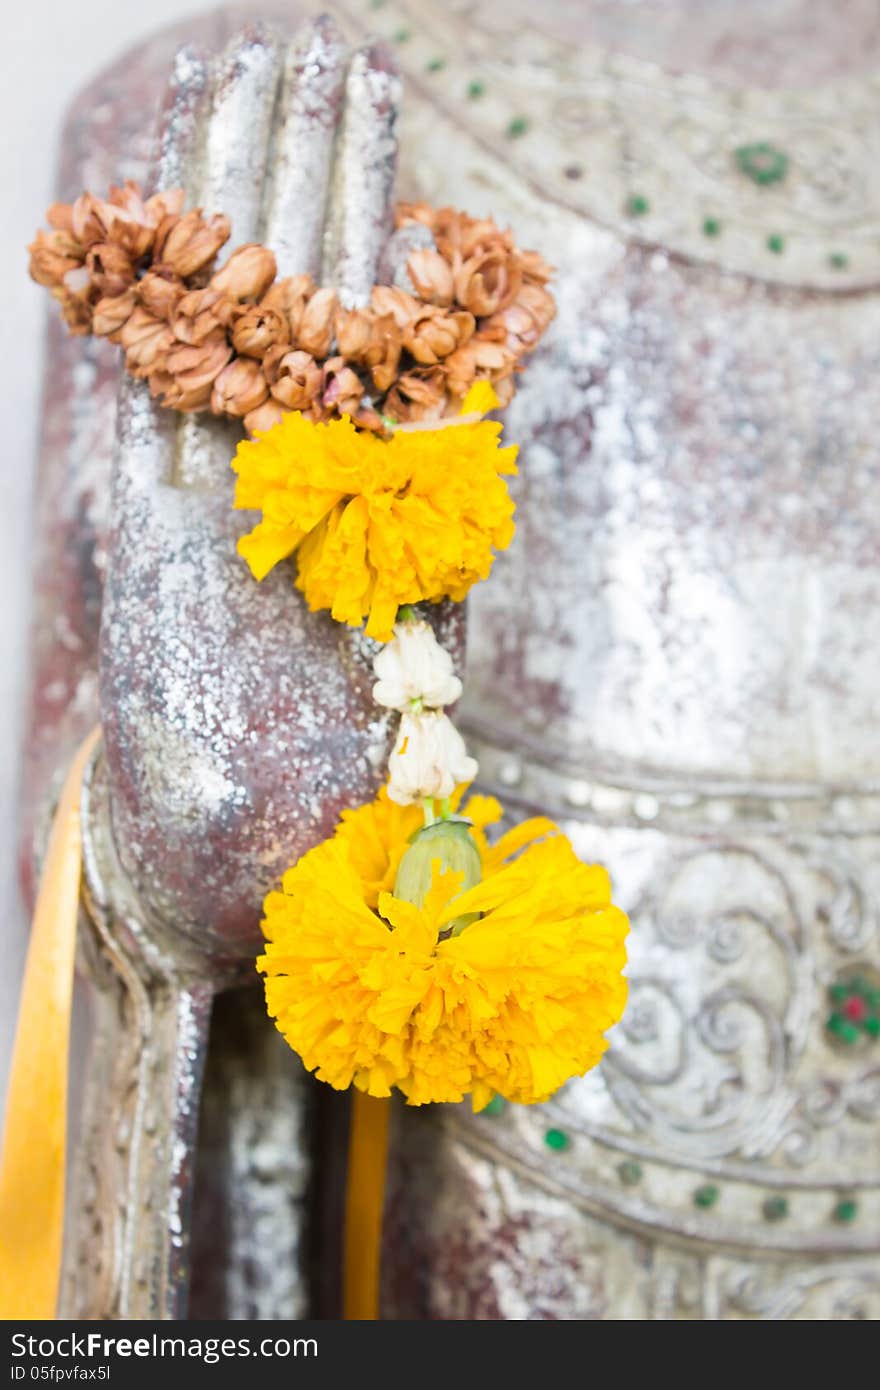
(414, 670)
(429, 759)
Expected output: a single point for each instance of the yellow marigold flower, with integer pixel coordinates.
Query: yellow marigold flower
(378, 523)
(366, 988)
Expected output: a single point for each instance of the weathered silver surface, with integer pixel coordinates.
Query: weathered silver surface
(128, 1231)
(237, 723)
(236, 726)
(302, 155)
(677, 658)
(254, 1163)
(362, 193)
(597, 125)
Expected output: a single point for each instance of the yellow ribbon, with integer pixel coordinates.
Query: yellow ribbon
(32, 1164)
(32, 1167)
(364, 1197)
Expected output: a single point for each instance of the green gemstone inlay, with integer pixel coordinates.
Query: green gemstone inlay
(846, 1210)
(629, 1172)
(775, 1209)
(776, 243)
(843, 1029)
(855, 1013)
(707, 1195)
(495, 1107)
(557, 1140)
(435, 65)
(475, 89)
(637, 205)
(401, 35)
(517, 127)
(763, 163)
(838, 261)
(711, 227)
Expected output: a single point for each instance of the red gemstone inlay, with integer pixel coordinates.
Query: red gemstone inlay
(855, 1009)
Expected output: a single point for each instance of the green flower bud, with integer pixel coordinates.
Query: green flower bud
(450, 843)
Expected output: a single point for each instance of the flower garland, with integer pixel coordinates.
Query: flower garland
(505, 986)
(240, 342)
(407, 951)
(378, 524)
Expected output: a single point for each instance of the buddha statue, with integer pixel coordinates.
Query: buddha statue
(676, 660)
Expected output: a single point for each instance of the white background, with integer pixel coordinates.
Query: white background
(51, 48)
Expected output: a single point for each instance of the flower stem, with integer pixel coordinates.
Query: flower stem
(446, 808)
(428, 808)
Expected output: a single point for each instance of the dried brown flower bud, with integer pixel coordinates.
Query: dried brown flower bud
(383, 354)
(77, 284)
(52, 254)
(294, 378)
(111, 314)
(504, 389)
(146, 340)
(315, 332)
(110, 268)
(436, 333)
(405, 213)
(198, 314)
(487, 282)
(125, 220)
(460, 369)
(539, 302)
(162, 205)
(239, 388)
(288, 297)
(366, 418)
(403, 308)
(492, 330)
(522, 324)
(60, 217)
(475, 236)
(354, 332)
(341, 387)
(478, 359)
(161, 291)
(76, 310)
(535, 269)
(264, 417)
(86, 225)
(247, 274)
(257, 330)
(371, 340)
(128, 197)
(174, 396)
(459, 237)
(431, 275)
(193, 242)
(195, 368)
(163, 231)
(493, 360)
(417, 395)
(160, 383)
